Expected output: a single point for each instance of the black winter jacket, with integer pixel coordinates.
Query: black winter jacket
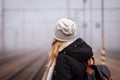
(69, 63)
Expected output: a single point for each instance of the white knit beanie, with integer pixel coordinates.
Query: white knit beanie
(65, 30)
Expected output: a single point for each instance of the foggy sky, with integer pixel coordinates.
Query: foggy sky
(30, 24)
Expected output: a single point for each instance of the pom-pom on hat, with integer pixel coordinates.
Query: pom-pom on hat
(65, 30)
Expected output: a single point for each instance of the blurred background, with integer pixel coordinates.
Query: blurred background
(27, 26)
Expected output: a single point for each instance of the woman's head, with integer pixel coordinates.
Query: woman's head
(65, 31)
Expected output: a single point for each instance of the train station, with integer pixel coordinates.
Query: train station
(28, 28)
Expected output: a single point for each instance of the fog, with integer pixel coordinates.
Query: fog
(29, 24)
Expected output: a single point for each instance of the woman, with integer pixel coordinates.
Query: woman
(68, 53)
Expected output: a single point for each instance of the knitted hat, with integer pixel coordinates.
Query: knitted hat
(65, 30)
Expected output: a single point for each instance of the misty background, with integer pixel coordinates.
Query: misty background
(29, 24)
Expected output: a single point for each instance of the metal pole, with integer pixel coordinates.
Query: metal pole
(23, 30)
(16, 39)
(91, 22)
(84, 19)
(3, 30)
(103, 52)
(68, 8)
(32, 39)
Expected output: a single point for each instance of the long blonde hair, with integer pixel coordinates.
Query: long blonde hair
(56, 45)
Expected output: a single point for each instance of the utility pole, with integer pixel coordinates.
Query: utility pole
(103, 52)
(16, 39)
(91, 22)
(23, 30)
(3, 27)
(68, 8)
(84, 19)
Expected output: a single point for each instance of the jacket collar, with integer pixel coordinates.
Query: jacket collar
(78, 49)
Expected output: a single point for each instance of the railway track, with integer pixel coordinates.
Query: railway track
(30, 67)
(12, 58)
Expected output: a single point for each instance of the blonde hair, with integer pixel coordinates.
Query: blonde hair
(56, 45)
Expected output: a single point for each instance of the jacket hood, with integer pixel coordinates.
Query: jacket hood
(79, 49)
